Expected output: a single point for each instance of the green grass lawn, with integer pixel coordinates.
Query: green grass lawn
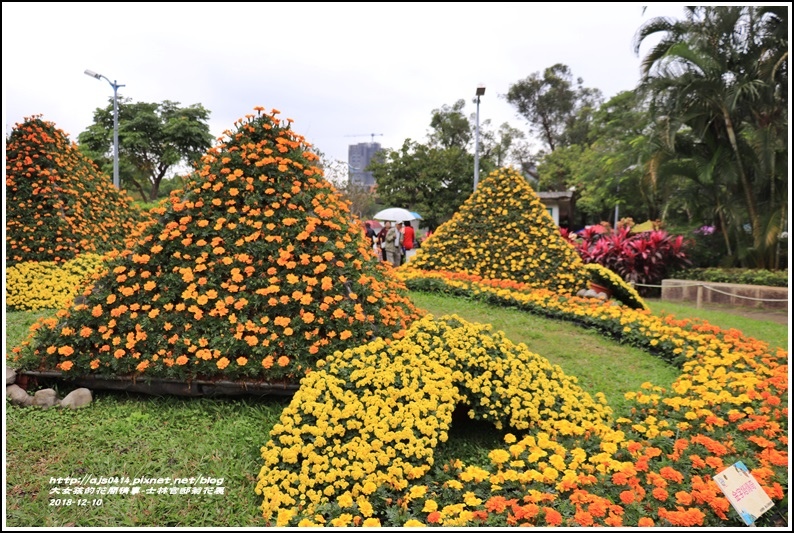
(133, 436)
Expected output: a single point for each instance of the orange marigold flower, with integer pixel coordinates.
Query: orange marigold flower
(222, 363)
(66, 351)
(660, 494)
(267, 362)
(715, 462)
(94, 364)
(66, 365)
(242, 361)
(627, 497)
(553, 517)
(671, 474)
(283, 360)
(181, 360)
(645, 522)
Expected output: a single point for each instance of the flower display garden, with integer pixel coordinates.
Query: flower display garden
(258, 271)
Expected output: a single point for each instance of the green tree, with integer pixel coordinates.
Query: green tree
(153, 140)
(556, 110)
(450, 127)
(719, 78)
(430, 180)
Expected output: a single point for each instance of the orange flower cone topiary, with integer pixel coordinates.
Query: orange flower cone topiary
(257, 271)
(58, 203)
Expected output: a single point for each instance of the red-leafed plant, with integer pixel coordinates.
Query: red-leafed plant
(640, 258)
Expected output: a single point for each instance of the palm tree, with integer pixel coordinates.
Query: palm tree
(721, 74)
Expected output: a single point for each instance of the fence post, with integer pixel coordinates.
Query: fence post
(699, 296)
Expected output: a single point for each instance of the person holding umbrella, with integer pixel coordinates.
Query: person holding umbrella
(381, 240)
(391, 244)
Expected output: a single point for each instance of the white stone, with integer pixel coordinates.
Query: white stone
(77, 398)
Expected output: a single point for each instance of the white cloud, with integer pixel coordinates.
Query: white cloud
(337, 69)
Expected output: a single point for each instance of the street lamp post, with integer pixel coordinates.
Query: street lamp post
(115, 124)
(480, 92)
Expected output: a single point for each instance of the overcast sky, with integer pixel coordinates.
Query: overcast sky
(342, 71)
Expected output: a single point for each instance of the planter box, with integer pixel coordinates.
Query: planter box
(729, 294)
(163, 387)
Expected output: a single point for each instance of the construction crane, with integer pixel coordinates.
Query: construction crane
(365, 134)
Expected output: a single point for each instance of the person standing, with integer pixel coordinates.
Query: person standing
(400, 249)
(372, 236)
(408, 240)
(391, 244)
(381, 241)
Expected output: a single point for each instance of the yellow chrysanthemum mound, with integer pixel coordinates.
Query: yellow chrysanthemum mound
(257, 270)
(503, 231)
(620, 289)
(372, 416)
(58, 203)
(34, 285)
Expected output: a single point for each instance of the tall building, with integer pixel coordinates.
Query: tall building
(358, 158)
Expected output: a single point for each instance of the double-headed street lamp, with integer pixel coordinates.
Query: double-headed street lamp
(115, 124)
(480, 92)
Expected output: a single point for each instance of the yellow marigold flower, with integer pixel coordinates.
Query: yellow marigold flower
(430, 506)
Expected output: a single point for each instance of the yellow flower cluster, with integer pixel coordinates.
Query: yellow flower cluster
(620, 289)
(503, 231)
(371, 417)
(36, 285)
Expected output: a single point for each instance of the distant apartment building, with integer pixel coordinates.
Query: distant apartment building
(358, 158)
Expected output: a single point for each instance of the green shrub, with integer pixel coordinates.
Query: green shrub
(742, 276)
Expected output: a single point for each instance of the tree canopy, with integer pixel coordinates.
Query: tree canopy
(154, 139)
(556, 110)
(432, 181)
(717, 83)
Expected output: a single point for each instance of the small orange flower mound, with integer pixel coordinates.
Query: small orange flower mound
(503, 231)
(58, 203)
(222, 285)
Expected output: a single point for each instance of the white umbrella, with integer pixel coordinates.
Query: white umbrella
(394, 214)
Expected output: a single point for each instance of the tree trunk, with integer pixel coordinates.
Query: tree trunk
(749, 197)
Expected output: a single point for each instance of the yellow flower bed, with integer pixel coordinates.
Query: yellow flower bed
(37, 285)
(567, 463)
(371, 417)
(620, 289)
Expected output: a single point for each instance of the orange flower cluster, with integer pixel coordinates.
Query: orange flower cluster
(256, 270)
(503, 231)
(58, 203)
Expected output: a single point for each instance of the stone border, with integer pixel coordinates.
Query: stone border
(44, 398)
